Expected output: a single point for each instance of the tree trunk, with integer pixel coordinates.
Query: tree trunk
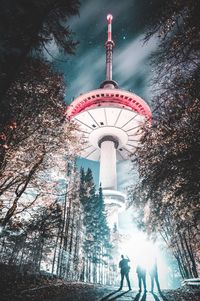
(19, 191)
(60, 253)
(190, 252)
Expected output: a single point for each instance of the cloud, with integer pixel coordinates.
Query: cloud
(131, 59)
(127, 176)
(89, 67)
(93, 14)
(86, 70)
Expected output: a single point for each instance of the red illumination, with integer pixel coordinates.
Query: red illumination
(109, 18)
(103, 98)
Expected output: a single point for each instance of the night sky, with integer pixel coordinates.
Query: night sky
(131, 64)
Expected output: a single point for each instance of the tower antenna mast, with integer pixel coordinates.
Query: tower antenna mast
(109, 49)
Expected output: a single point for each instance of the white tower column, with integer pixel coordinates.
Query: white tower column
(108, 173)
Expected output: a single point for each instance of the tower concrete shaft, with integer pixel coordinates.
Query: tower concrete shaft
(108, 173)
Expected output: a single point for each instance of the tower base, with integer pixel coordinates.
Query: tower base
(114, 202)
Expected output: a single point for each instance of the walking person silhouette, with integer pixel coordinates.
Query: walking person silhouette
(154, 276)
(141, 273)
(124, 270)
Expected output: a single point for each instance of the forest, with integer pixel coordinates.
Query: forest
(53, 224)
(168, 161)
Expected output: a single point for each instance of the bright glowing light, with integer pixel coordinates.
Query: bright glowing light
(143, 252)
(109, 17)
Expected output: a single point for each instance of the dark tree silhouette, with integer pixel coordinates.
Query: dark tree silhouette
(97, 236)
(168, 161)
(28, 25)
(36, 105)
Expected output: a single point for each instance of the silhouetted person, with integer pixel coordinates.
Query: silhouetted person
(124, 269)
(141, 273)
(154, 277)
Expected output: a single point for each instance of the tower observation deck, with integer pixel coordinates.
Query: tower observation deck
(111, 121)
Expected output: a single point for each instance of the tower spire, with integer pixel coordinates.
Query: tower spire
(109, 49)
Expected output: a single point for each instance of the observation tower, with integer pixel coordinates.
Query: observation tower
(110, 120)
